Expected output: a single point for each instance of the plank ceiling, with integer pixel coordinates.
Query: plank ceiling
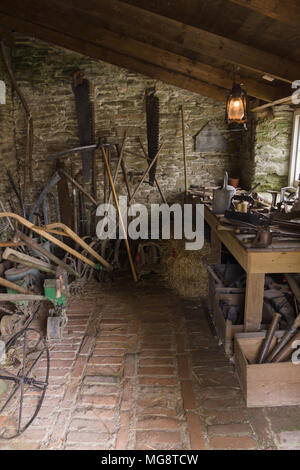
(194, 44)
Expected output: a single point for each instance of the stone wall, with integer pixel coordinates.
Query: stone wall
(266, 148)
(44, 73)
(7, 138)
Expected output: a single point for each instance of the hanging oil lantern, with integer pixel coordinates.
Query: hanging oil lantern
(236, 106)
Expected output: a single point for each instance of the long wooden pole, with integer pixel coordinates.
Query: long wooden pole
(125, 176)
(114, 179)
(145, 174)
(118, 165)
(78, 186)
(120, 214)
(155, 179)
(184, 151)
(11, 285)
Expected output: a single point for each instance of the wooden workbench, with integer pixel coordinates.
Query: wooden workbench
(277, 258)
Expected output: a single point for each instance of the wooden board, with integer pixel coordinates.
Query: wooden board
(261, 260)
(17, 254)
(20, 297)
(287, 12)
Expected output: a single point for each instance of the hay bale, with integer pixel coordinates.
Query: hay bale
(184, 270)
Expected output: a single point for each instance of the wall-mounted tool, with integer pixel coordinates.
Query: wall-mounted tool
(186, 184)
(152, 116)
(65, 206)
(53, 181)
(81, 88)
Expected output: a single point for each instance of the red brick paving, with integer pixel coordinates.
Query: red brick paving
(138, 368)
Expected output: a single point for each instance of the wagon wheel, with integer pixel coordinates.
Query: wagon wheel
(26, 375)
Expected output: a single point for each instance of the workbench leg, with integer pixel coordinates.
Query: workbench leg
(216, 247)
(254, 301)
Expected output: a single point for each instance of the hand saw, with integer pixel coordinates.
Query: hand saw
(81, 88)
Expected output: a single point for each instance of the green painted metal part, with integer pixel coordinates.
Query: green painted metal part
(20, 283)
(50, 292)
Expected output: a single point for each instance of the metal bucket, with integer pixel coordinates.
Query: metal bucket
(222, 196)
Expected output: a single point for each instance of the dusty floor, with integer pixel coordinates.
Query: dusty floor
(139, 368)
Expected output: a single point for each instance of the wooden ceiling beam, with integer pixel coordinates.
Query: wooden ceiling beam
(98, 52)
(6, 37)
(170, 60)
(287, 11)
(81, 28)
(286, 100)
(191, 38)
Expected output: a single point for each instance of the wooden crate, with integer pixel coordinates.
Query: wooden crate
(232, 296)
(225, 329)
(265, 384)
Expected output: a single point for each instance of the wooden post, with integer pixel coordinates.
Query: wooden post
(184, 152)
(254, 301)
(120, 214)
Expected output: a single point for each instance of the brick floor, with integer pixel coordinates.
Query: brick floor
(139, 368)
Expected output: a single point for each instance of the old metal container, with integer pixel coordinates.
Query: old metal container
(222, 196)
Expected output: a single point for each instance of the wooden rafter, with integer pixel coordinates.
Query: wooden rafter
(7, 37)
(285, 11)
(86, 33)
(165, 58)
(98, 52)
(286, 100)
(177, 69)
(194, 39)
